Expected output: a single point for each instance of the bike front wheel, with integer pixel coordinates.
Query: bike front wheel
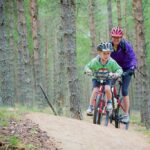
(97, 118)
(107, 118)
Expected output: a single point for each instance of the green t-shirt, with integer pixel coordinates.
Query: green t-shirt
(111, 65)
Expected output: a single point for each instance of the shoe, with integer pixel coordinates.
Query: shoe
(89, 111)
(125, 118)
(109, 106)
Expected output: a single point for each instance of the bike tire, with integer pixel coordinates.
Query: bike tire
(97, 117)
(111, 118)
(127, 126)
(117, 121)
(107, 118)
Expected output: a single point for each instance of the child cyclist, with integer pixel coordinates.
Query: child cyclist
(101, 62)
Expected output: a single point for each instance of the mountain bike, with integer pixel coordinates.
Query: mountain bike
(100, 102)
(117, 99)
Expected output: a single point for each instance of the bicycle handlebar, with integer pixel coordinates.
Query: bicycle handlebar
(129, 72)
(101, 75)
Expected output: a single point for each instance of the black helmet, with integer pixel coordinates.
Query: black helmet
(106, 46)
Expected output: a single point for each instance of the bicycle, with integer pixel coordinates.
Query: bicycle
(117, 99)
(99, 102)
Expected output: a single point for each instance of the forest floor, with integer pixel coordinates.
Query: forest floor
(47, 132)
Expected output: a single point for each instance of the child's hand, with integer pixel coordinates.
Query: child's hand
(88, 71)
(114, 75)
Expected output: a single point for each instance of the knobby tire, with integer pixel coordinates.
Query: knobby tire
(97, 118)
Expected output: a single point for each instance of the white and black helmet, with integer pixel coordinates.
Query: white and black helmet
(106, 46)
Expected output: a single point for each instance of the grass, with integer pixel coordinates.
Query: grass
(14, 140)
(15, 114)
(138, 125)
(6, 115)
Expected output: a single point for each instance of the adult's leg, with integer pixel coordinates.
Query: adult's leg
(125, 88)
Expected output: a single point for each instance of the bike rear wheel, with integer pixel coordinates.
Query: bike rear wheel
(117, 120)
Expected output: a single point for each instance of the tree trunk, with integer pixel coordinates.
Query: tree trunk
(61, 76)
(6, 82)
(69, 36)
(25, 80)
(142, 66)
(109, 10)
(92, 27)
(3, 60)
(36, 51)
(12, 46)
(54, 73)
(46, 59)
(119, 13)
(125, 19)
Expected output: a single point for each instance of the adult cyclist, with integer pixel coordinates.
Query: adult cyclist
(124, 55)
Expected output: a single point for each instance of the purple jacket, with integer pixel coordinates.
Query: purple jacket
(125, 58)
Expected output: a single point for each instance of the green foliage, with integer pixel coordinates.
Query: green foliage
(30, 146)
(7, 114)
(138, 125)
(83, 50)
(135, 118)
(146, 10)
(3, 120)
(83, 35)
(14, 140)
(49, 17)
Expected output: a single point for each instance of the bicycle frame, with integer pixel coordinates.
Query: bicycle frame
(100, 105)
(101, 90)
(115, 113)
(117, 94)
(101, 94)
(99, 101)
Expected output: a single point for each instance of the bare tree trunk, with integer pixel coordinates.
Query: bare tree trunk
(3, 59)
(142, 66)
(119, 13)
(46, 59)
(61, 78)
(109, 10)
(54, 73)
(6, 70)
(36, 51)
(12, 46)
(12, 52)
(125, 19)
(69, 36)
(92, 27)
(25, 78)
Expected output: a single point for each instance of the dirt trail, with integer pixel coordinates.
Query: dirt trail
(80, 135)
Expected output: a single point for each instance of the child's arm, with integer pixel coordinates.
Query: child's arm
(117, 70)
(90, 66)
